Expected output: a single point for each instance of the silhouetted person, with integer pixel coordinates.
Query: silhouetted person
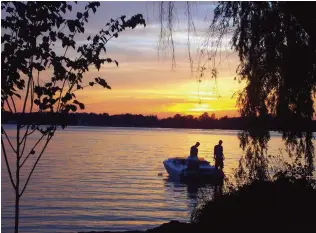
(219, 155)
(193, 161)
(194, 150)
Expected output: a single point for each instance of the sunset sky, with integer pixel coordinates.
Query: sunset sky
(145, 83)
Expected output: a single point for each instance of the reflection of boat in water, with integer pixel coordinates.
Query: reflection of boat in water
(195, 189)
(178, 167)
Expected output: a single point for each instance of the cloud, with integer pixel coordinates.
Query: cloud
(146, 83)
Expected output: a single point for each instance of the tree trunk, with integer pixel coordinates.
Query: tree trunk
(17, 202)
(17, 187)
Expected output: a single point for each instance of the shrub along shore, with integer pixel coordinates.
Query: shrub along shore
(283, 205)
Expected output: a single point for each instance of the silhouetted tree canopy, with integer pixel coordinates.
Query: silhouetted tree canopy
(275, 43)
(177, 121)
(278, 63)
(38, 37)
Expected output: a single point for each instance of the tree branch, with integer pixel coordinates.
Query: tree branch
(25, 137)
(27, 134)
(13, 103)
(32, 149)
(2, 129)
(27, 94)
(32, 94)
(7, 164)
(40, 155)
(9, 105)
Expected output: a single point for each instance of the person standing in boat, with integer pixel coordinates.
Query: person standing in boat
(219, 155)
(193, 161)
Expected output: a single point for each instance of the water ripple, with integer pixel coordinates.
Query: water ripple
(94, 178)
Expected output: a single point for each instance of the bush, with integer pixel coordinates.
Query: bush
(282, 205)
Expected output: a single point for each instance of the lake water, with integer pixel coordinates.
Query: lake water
(93, 178)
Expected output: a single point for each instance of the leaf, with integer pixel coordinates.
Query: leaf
(91, 83)
(73, 107)
(79, 15)
(71, 25)
(116, 62)
(45, 39)
(102, 82)
(49, 84)
(97, 64)
(52, 35)
(60, 35)
(39, 67)
(67, 97)
(96, 39)
(63, 9)
(81, 105)
(32, 152)
(9, 9)
(5, 37)
(53, 101)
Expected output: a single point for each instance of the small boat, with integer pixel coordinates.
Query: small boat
(178, 167)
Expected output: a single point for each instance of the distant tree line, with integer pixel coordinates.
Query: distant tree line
(204, 121)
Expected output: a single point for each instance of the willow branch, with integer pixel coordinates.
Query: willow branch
(161, 36)
(7, 163)
(190, 22)
(170, 28)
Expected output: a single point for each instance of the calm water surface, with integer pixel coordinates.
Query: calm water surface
(93, 178)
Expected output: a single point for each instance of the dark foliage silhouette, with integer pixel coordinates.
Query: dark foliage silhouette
(276, 46)
(279, 68)
(177, 121)
(261, 206)
(275, 43)
(31, 32)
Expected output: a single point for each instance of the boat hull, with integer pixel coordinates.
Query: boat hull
(177, 167)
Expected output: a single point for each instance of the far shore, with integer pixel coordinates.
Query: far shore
(268, 123)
